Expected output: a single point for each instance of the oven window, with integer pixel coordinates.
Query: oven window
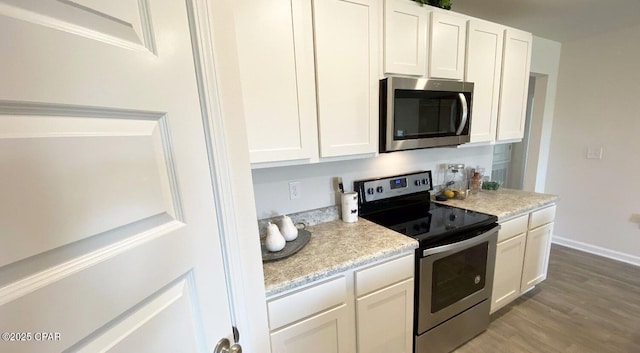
(458, 275)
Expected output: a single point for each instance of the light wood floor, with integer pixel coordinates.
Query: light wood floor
(588, 304)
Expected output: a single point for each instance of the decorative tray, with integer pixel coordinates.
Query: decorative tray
(290, 248)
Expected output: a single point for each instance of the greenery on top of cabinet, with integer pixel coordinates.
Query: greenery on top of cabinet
(445, 4)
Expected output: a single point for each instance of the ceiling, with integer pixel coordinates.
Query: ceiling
(559, 20)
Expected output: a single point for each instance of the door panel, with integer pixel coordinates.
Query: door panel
(123, 23)
(111, 224)
(114, 172)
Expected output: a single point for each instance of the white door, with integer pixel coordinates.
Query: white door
(108, 226)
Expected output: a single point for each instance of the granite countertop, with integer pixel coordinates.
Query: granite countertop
(504, 203)
(334, 247)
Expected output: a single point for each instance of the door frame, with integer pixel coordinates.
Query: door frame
(218, 75)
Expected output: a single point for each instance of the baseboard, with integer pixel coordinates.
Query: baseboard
(596, 250)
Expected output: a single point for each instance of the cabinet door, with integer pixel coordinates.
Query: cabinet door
(327, 332)
(275, 55)
(447, 46)
(536, 257)
(508, 271)
(385, 320)
(516, 64)
(483, 68)
(347, 49)
(405, 38)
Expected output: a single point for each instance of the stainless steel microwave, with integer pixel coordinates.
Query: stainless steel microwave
(421, 113)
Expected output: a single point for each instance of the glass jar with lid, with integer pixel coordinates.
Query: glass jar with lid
(455, 180)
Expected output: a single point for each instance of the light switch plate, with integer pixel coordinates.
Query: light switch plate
(594, 152)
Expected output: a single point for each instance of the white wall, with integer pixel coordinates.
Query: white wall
(597, 105)
(271, 186)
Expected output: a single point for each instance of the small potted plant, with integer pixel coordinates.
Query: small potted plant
(445, 4)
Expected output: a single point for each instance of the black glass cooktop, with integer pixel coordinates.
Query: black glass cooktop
(431, 223)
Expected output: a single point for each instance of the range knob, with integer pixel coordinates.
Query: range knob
(425, 182)
(379, 189)
(370, 191)
(417, 182)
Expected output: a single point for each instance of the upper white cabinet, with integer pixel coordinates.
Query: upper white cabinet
(347, 50)
(447, 46)
(516, 64)
(275, 55)
(483, 68)
(405, 38)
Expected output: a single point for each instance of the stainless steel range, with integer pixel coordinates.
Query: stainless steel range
(454, 262)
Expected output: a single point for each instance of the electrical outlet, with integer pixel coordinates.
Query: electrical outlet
(295, 190)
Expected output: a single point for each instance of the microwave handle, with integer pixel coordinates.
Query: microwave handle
(465, 113)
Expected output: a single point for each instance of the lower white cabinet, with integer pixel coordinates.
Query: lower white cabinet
(326, 332)
(385, 320)
(536, 259)
(508, 272)
(522, 255)
(372, 306)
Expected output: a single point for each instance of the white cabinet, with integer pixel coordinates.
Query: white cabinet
(522, 255)
(346, 53)
(323, 333)
(405, 38)
(373, 305)
(483, 68)
(275, 57)
(385, 307)
(516, 64)
(318, 319)
(385, 320)
(448, 36)
(507, 276)
(536, 259)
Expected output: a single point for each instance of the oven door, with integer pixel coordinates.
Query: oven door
(454, 277)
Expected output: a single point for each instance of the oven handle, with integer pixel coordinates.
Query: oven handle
(465, 113)
(463, 244)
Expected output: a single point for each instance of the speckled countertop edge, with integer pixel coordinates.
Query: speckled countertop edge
(335, 247)
(504, 203)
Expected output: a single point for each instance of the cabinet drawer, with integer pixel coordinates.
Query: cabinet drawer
(543, 216)
(511, 228)
(380, 276)
(307, 302)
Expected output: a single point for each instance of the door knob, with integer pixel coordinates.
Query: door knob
(224, 346)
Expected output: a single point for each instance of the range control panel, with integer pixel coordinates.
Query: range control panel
(388, 187)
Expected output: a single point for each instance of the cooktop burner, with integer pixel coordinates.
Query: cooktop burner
(402, 203)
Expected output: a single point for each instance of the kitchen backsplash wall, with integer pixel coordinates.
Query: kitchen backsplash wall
(317, 186)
